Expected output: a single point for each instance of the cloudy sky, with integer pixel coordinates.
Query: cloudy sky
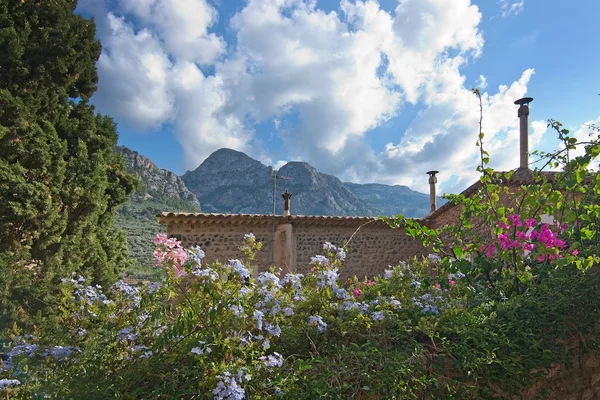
(369, 91)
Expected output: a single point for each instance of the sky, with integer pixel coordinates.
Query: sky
(369, 91)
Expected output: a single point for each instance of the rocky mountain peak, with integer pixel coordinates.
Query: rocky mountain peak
(157, 181)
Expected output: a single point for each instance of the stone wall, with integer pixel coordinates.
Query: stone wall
(372, 249)
(222, 241)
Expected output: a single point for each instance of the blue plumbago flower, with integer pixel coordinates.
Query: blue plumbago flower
(388, 273)
(274, 330)
(153, 287)
(237, 310)
(433, 257)
(329, 246)
(249, 236)
(316, 320)
(202, 349)
(239, 268)
(142, 318)
(341, 293)
(377, 316)
(272, 361)
(81, 332)
(258, 316)
(395, 303)
(60, 352)
(200, 272)
(294, 279)
(146, 354)
(430, 308)
(288, 311)
(416, 283)
(196, 255)
(7, 383)
(126, 334)
(426, 303)
(25, 349)
(128, 290)
(364, 308)
(245, 290)
(341, 254)
(266, 342)
(158, 331)
(349, 306)
(320, 260)
(265, 278)
(328, 278)
(228, 388)
(138, 348)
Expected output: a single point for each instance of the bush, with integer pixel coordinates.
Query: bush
(211, 331)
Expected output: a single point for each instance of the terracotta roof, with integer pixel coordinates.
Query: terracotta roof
(167, 217)
(520, 177)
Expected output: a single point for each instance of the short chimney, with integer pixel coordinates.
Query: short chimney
(432, 182)
(523, 115)
(286, 203)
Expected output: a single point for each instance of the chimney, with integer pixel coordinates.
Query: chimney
(286, 203)
(432, 182)
(523, 115)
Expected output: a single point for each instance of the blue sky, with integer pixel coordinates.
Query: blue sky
(368, 91)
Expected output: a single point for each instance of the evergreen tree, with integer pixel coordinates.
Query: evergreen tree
(60, 180)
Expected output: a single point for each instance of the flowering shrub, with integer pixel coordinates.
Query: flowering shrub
(212, 331)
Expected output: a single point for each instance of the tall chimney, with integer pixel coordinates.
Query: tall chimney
(523, 115)
(432, 182)
(286, 203)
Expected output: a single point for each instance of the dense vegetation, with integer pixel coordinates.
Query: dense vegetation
(60, 181)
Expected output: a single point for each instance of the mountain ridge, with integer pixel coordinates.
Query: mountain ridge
(230, 181)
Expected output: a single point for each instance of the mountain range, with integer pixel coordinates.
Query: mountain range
(229, 181)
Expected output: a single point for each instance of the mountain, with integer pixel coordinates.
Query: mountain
(229, 181)
(161, 190)
(393, 200)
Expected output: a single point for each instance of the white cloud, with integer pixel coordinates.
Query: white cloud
(586, 132)
(340, 73)
(510, 8)
(482, 82)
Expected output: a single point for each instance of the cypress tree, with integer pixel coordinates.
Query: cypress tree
(60, 180)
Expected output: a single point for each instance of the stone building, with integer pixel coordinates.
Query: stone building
(289, 241)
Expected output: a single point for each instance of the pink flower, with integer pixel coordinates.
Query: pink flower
(436, 285)
(529, 222)
(172, 242)
(541, 257)
(160, 238)
(371, 283)
(452, 282)
(356, 292)
(575, 252)
(515, 219)
(528, 246)
(490, 250)
(502, 225)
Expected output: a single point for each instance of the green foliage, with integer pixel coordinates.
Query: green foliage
(60, 181)
(408, 334)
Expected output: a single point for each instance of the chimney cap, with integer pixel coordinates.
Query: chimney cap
(432, 172)
(524, 101)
